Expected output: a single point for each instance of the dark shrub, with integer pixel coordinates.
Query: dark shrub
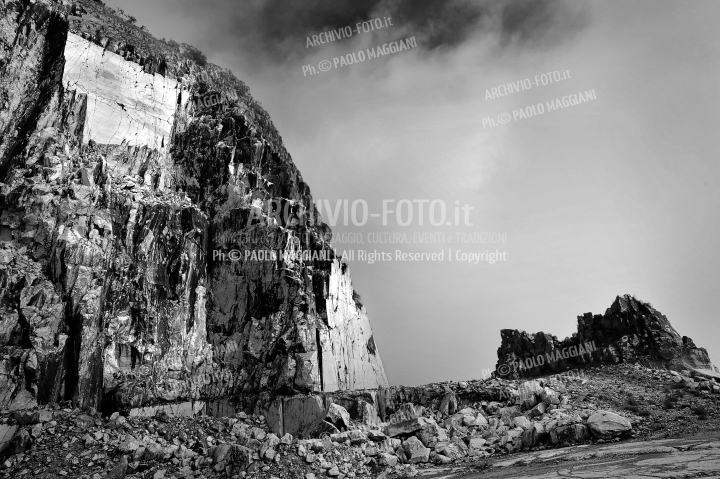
(194, 54)
(701, 412)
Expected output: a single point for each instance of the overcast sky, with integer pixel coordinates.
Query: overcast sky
(617, 195)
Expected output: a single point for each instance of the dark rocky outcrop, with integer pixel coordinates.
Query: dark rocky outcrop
(629, 331)
(32, 40)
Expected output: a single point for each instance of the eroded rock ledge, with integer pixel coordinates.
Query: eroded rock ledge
(629, 331)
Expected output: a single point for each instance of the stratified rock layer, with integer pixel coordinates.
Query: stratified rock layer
(157, 243)
(629, 331)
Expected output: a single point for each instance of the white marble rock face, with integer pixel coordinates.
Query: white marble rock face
(125, 104)
(353, 361)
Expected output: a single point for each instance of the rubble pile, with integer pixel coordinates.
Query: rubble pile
(545, 413)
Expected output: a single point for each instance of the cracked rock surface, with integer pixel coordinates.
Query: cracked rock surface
(137, 222)
(629, 331)
(453, 434)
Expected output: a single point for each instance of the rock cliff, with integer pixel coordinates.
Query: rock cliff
(629, 331)
(157, 243)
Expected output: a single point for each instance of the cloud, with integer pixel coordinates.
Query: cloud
(278, 29)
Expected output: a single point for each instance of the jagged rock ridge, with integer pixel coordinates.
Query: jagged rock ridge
(629, 331)
(119, 198)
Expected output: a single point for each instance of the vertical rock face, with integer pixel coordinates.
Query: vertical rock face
(157, 244)
(32, 39)
(629, 331)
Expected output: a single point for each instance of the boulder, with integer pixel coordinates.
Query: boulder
(475, 445)
(389, 460)
(259, 433)
(368, 414)
(431, 433)
(454, 421)
(119, 470)
(507, 414)
(606, 424)
(550, 396)
(42, 416)
(454, 450)
(269, 445)
(415, 450)
(23, 417)
(222, 453)
(6, 434)
(139, 454)
(707, 374)
(405, 421)
(338, 416)
(241, 456)
(21, 442)
(357, 437)
(303, 416)
(481, 420)
(129, 444)
(324, 428)
(572, 433)
(469, 421)
(522, 422)
(448, 404)
(408, 471)
(530, 438)
(512, 439)
(527, 394)
(538, 410)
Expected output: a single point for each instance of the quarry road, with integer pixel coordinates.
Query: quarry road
(698, 456)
